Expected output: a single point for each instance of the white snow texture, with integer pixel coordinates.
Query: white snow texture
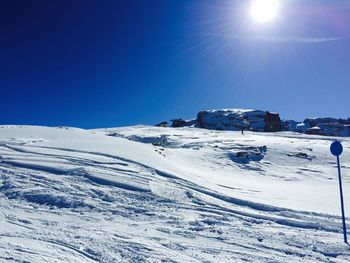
(152, 194)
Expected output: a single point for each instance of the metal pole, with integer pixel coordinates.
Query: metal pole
(342, 201)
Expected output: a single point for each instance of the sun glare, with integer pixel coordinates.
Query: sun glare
(264, 11)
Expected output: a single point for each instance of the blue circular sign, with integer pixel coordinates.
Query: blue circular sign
(336, 148)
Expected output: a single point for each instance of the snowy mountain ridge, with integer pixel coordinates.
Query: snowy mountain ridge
(155, 194)
(262, 121)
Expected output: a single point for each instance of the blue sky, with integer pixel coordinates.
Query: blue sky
(114, 63)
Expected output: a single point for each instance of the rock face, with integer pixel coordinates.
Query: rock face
(177, 123)
(319, 126)
(262, 121)
(289, 125)
(272, 122)
(162, 124)
(327, 126)
(235, 119)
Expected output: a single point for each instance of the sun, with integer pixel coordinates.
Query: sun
(264, 11)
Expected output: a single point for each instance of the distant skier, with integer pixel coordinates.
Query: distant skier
(244, 124)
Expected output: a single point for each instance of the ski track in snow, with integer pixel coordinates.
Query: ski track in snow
(63, 203)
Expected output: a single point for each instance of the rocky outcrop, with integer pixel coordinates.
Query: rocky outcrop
(248, 154)
(327, 126)
(272, 122)
(162, 124)
(235, 119)
(289, 125)
(177, 123)
(262, 121)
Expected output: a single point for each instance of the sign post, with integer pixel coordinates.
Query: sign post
(337, 149)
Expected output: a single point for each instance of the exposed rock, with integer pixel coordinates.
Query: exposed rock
(272, 122)
(161, 140)
(220, 120)
(316, 121)
(319, 126)
(262, 121)
(323, 126)
(330, 129)
(289, 125)
(177, 123)
(235, 119)
(248, 154)
(162, 124)
(314, 130)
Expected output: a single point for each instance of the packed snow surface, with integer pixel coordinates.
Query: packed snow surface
(149, 194)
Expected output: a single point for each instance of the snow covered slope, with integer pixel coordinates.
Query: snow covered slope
(147, 194)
